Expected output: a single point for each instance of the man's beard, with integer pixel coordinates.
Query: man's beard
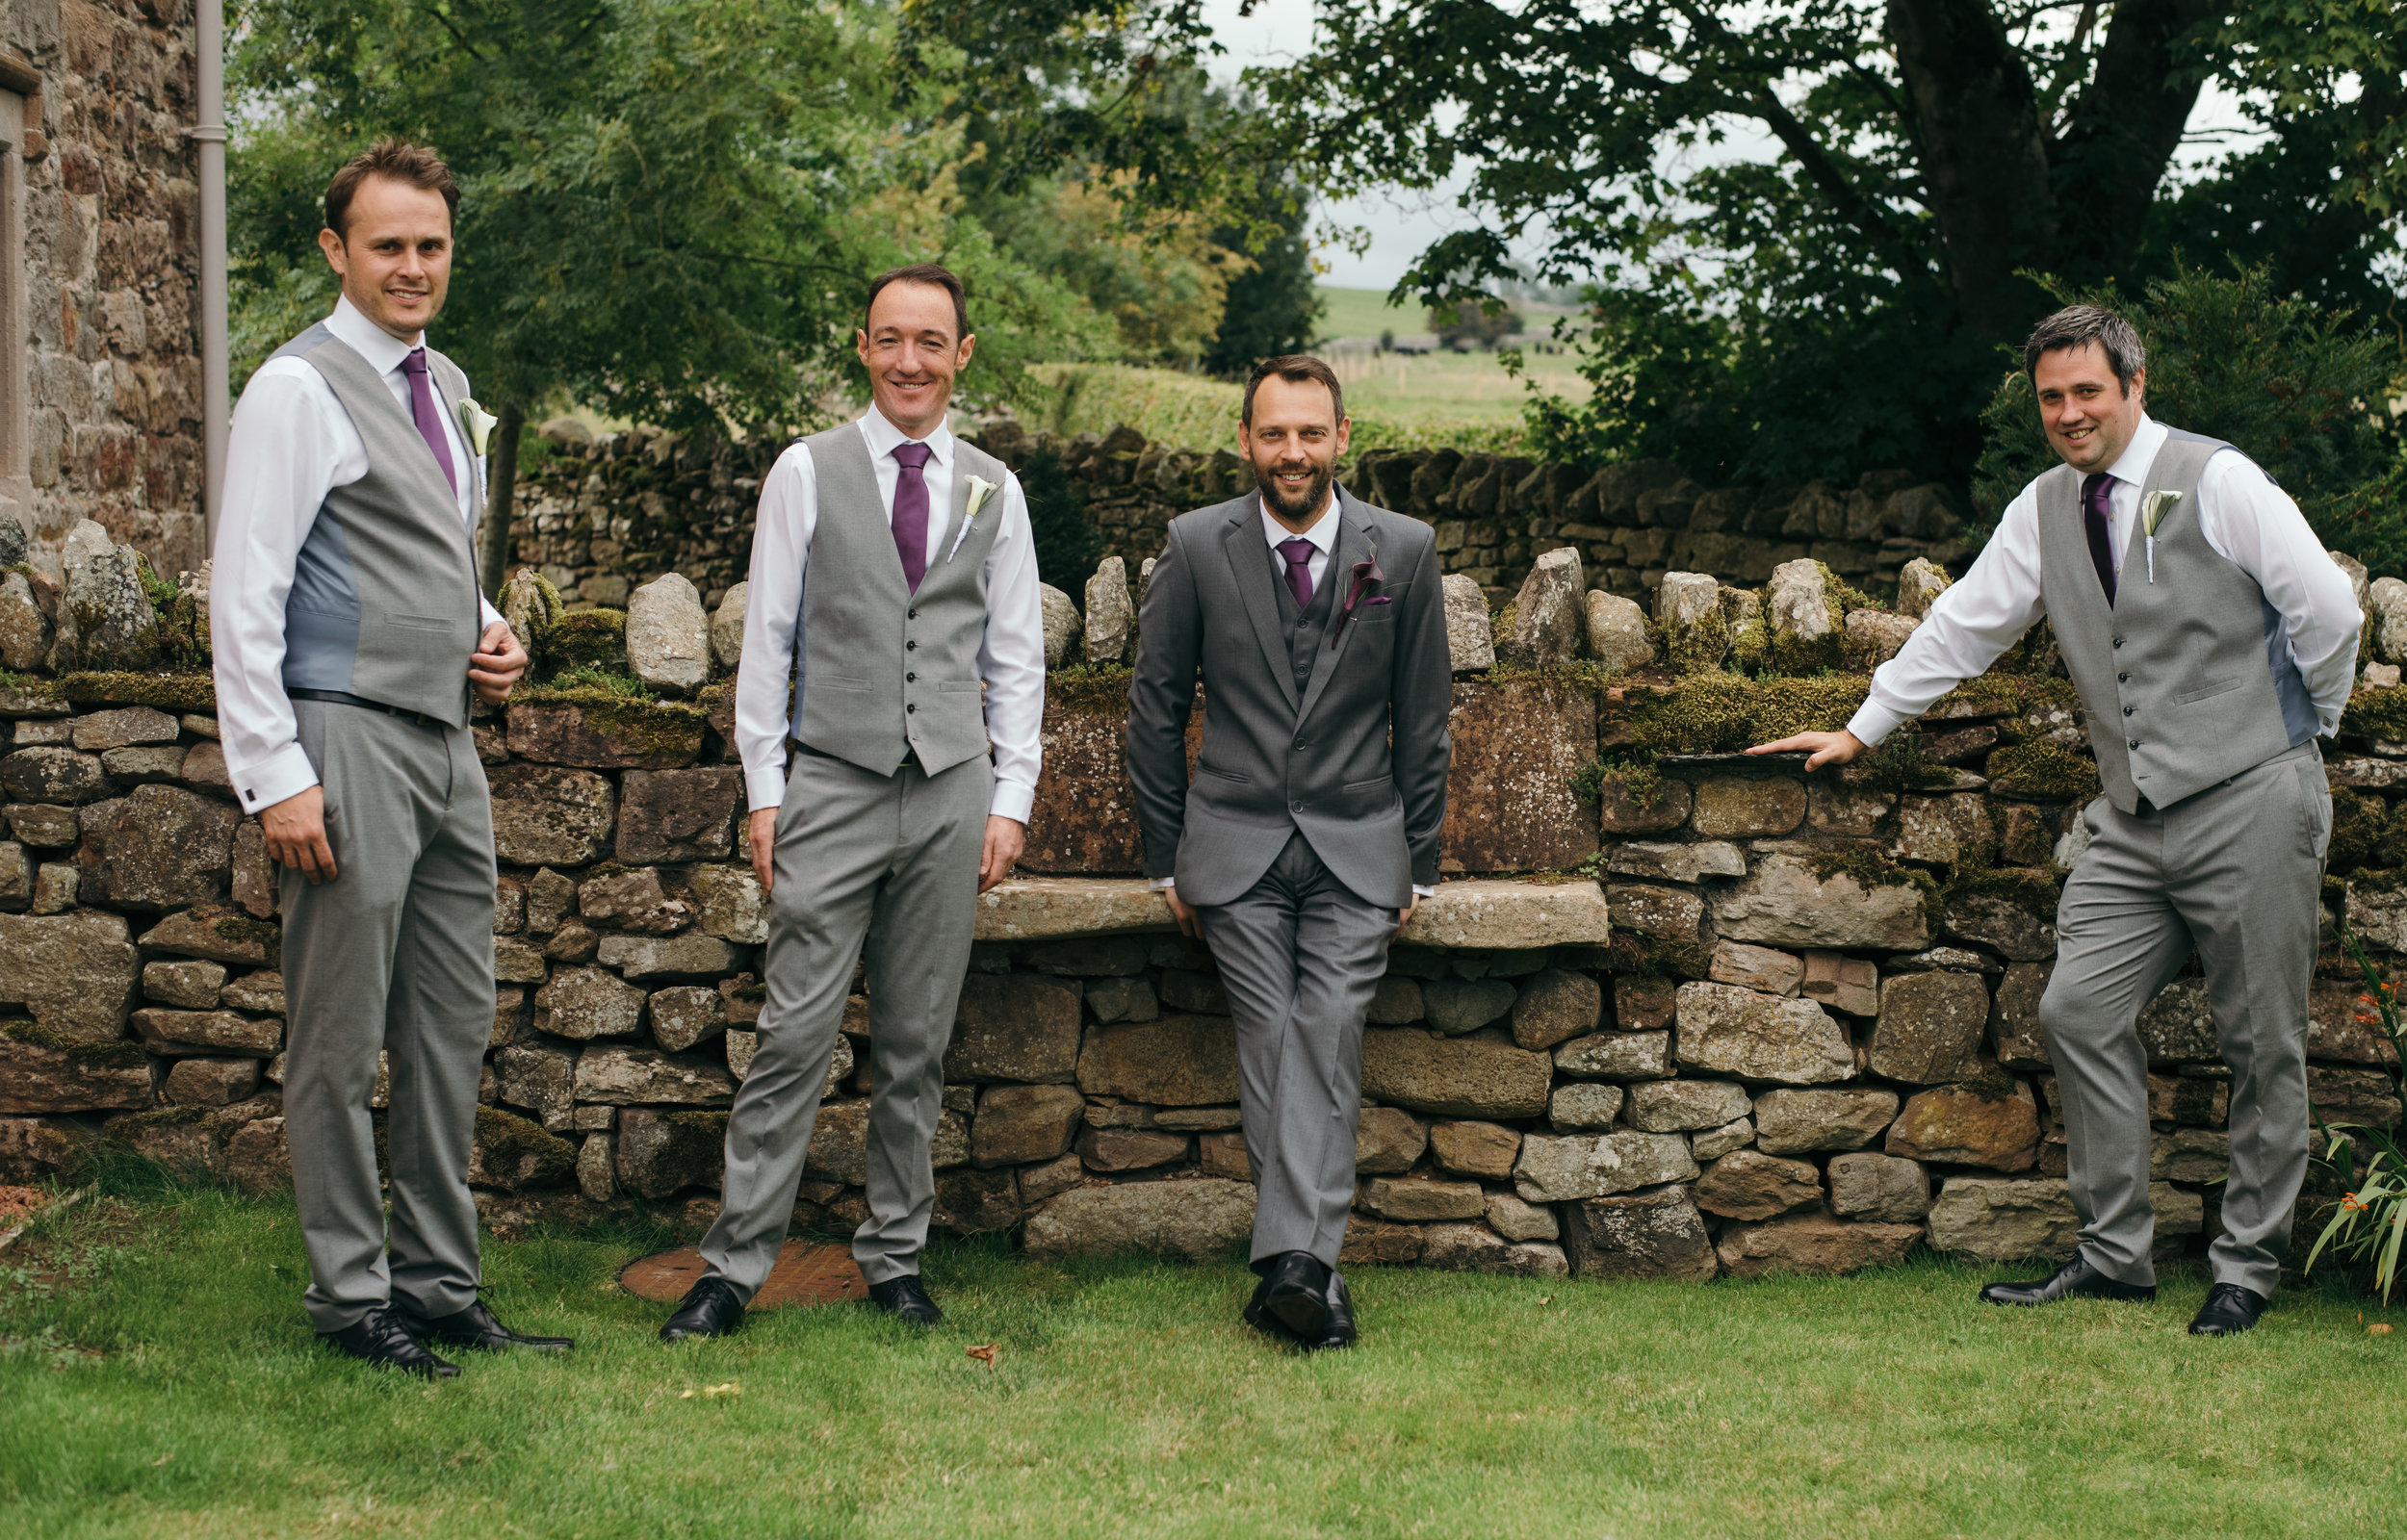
(1299, 507)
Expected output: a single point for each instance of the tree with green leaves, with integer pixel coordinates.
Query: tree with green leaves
(1810, 227)
(668, 212)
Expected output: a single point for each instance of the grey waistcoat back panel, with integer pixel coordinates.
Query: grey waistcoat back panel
(2187, 680)
(384, 596)
(886, 673)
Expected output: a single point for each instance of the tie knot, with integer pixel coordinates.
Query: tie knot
(912, 456)
(2094, 489)
(414, 362)
(1297, 552)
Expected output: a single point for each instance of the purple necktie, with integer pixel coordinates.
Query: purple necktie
(1299, 554)
(2093, 511)
(911, 512)
(429, 417)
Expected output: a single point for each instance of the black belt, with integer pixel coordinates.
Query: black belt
(340, 697)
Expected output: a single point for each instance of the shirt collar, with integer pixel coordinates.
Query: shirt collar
(383, 350)
(885, 437)
(2133, 464)
(1323, 535)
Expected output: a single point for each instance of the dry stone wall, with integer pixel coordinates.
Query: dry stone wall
(1675, 1013)
(602, 514)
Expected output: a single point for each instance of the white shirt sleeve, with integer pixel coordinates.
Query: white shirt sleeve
(282, 458)
(2254, 524)
(1967, 627)
(780, 545)
(1011, 658)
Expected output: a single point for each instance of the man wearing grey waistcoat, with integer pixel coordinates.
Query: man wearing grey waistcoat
(348, 634)
(894, 582)
(2212, 641)
(1309, 833)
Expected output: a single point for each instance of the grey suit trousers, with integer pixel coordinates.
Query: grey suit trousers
(395, 953)
(1300, 956)
(2235, 872)
(892, 860)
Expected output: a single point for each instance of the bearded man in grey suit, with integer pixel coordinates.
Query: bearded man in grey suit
(1310, 830)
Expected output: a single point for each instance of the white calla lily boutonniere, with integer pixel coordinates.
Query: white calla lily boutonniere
(2152, 511)
(980, 491)
(478, 423)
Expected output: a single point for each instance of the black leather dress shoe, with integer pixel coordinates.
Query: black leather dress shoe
(2231, 1308)
(710, 1309)
(1261, 1319)
(379, 1339)
(906, 1298)
(1296, 1295)
(1340, 1330)
(2077, 1280)
(475, 1327)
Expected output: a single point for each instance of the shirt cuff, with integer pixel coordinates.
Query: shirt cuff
(1873, 721)
(492, 617)
(285, 773)
(1161, 885)
(1418, 891)
(765, 788)
(1013, 800)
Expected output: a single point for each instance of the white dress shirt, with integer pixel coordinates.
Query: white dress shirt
(1324, 537)
(1011, 658)
(2246, 518)
(290, 445)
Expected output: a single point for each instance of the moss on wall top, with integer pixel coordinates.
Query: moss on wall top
(168, 692)
(1723, 714)
(2044, 769)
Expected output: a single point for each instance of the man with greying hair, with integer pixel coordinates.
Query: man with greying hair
(2212, 641)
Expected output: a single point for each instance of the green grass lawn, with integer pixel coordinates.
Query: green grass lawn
(157, 1379)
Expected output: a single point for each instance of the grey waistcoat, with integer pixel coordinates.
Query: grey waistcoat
(384, 597)
(1304, 641)
(886, 673)
(2187, 680)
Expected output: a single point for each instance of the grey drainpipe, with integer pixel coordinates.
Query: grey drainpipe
(210, 134)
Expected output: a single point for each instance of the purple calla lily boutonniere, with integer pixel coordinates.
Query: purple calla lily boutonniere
(1367, 574)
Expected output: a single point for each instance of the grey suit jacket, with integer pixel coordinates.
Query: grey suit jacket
(1357, 762)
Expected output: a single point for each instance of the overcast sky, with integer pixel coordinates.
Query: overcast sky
(1402, 224)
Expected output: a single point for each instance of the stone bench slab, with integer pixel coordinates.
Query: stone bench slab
(1498, 914)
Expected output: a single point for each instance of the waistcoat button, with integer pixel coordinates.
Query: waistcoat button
(913, 679)
(2135, 743)
(2129, 710)
(908, 709)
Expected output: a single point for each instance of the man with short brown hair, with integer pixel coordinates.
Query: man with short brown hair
(2213, 640)
(348, 633)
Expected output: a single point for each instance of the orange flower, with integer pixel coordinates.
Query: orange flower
(2353, 1203)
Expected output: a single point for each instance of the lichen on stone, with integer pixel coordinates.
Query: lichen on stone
(242, 931)
(2376, 715)
(195, 693)
(1903, 763)
(158, 1118)
(508, 1138)
(1090, 689)
(1870, 870)
(1723, 714)
(2034, 892)
(120, 1054)
(2044, 769)
(586, 637)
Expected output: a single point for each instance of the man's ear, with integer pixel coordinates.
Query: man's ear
(333, 245)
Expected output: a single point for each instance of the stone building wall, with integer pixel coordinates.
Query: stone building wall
(1674, 1013)
(603, 515)
(112, 272)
